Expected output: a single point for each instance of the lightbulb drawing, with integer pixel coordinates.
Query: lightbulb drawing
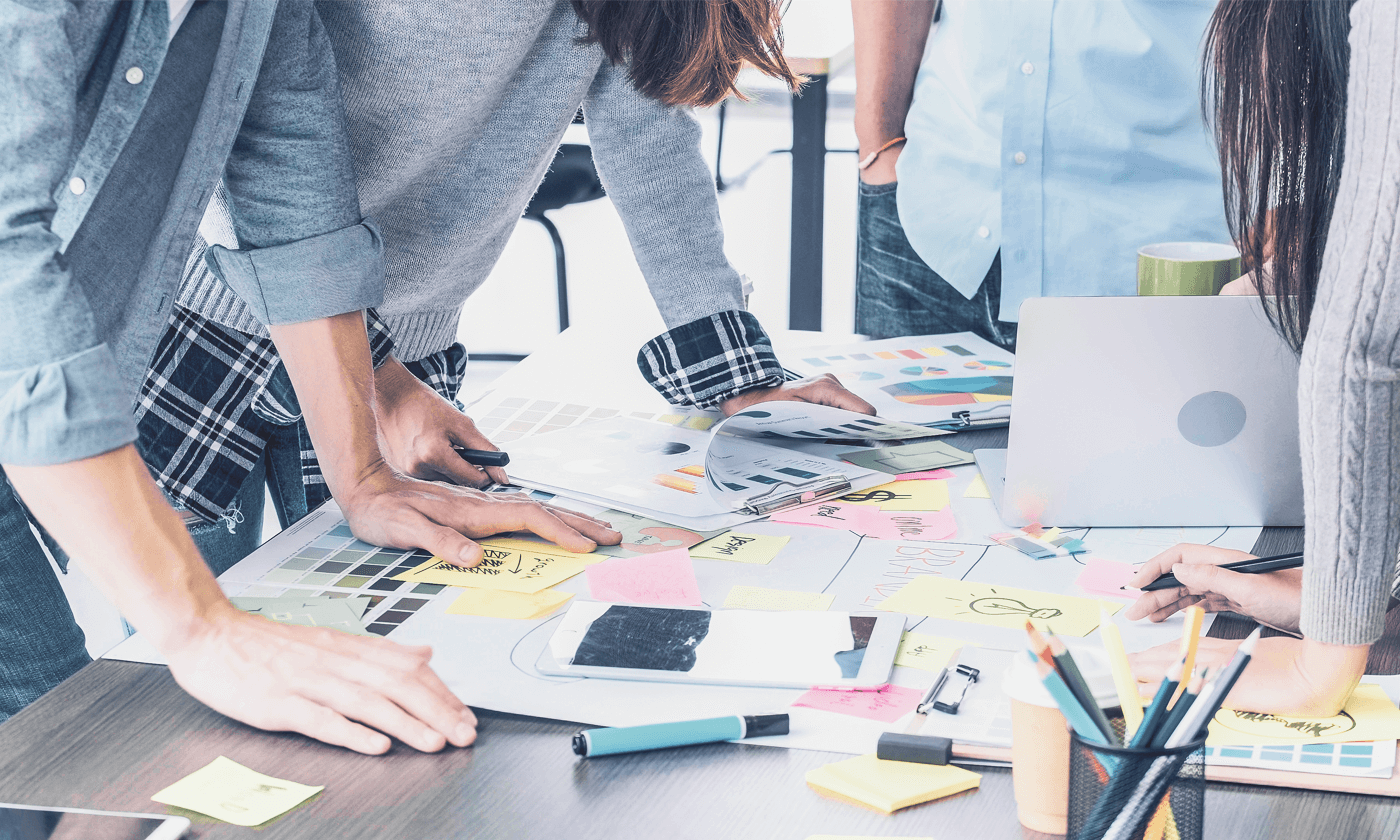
(998, 605)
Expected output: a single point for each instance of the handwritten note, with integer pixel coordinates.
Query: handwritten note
(1106, 578)
(495, 603)
(758, 598)
(977, 489)
(996, 605)
(926, 475)
(538, 546)
(666, 577)
(931, 653)
(230, 792)
(902, 495)
(741, 548)
(823, 514)
(909, 525)
(889, 704)
(504, 569)
(887, 786)
(1367, 716)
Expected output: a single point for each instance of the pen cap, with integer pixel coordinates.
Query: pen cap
(759, 726)
(1022, 682)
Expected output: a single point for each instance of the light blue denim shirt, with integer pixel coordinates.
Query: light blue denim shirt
(72, 353)
(1064, 133)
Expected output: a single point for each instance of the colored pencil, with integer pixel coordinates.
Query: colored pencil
(1157, 710)
(1179, 710)
(1069, 707)
(1123, 679)
(1190, 639)
(1078, 686)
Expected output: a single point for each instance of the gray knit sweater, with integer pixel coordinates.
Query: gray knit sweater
(1349, 384)
(455, 110)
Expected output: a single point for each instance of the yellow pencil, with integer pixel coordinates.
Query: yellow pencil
(1190, 638)
(1123, 679)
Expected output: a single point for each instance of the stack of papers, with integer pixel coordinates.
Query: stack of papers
(887, 786)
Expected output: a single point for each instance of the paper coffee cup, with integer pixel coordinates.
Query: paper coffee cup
(1040, 738)
(1186, 268)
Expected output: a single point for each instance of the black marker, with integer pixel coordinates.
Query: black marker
(1252, 566)
(483, 457)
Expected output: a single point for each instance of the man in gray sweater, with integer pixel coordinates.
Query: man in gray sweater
(455, 112)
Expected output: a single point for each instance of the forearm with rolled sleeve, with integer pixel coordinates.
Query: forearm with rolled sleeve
(305, 252)
(59, 394)
(1349, 382)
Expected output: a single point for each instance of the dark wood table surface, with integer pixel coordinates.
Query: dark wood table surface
(118, 732)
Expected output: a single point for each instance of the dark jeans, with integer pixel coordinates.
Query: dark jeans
(897, 293)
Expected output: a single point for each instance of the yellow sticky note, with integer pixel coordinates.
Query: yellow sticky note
(977, 489)
(758, 598)
(903, 495)
(228, 791)
(495, 603)
(502, 569)
(539, 547)
(741, 548)
(931, 653)
(888, 786)
(997, 605)
(1367, 716)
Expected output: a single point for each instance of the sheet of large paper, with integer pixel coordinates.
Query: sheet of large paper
(489, 662)
(920, 379)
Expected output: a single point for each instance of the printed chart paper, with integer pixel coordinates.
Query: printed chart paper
(922, 456)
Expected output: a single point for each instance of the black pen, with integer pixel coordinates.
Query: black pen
(483, 457)
(1252, 566)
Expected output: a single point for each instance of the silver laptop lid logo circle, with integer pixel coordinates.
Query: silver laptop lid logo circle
(1211, 419)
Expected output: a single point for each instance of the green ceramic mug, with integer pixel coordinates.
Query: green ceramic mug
(1186, 268)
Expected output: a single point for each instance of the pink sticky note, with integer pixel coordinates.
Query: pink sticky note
(826, 515)
(919, 526)
(926, 475)
(888, 705)
(663, 577)
(1105, 577)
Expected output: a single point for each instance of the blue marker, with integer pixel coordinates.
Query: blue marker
(659, 736)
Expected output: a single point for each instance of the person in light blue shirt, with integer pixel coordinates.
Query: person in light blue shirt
(1045, 142)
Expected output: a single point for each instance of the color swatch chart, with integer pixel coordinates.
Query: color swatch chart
(904, 353)
(504, 418)
(1372, 758)
(337, 565)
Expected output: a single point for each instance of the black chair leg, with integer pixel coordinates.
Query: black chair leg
(561, 276)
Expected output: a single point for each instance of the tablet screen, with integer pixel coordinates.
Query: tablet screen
(26, 824)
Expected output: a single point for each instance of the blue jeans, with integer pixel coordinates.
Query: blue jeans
(898, 294)
(41, 644)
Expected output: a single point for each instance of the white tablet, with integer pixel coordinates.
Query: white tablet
(27, 822)
(723, 647)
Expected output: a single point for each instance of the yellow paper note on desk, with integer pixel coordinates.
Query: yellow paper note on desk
(997, 605)
(741, 548)
(510, 570)
(230, 792)
(888, 786)
(977, 489)
(496, 603)
(903, 495)
(931, 653)
(1367, 716)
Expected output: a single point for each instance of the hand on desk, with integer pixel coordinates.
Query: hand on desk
(1273, 598)
(386, 508)
(1286, 676)
(351, 691)
(418, 429)
(821, 390)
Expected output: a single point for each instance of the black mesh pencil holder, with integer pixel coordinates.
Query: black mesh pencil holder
(1116, 793)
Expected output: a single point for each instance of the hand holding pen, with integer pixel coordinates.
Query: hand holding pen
(1202, 574)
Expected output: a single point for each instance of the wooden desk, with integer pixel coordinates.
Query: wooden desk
(117, 732)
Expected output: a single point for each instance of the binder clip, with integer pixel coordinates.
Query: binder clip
(950, 706)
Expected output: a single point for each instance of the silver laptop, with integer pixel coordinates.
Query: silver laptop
(1149, 411)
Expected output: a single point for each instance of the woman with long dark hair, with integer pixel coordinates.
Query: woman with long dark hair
(1306, 102)
(455, 111)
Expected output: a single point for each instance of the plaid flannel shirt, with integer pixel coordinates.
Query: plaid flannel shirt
(213, 395)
